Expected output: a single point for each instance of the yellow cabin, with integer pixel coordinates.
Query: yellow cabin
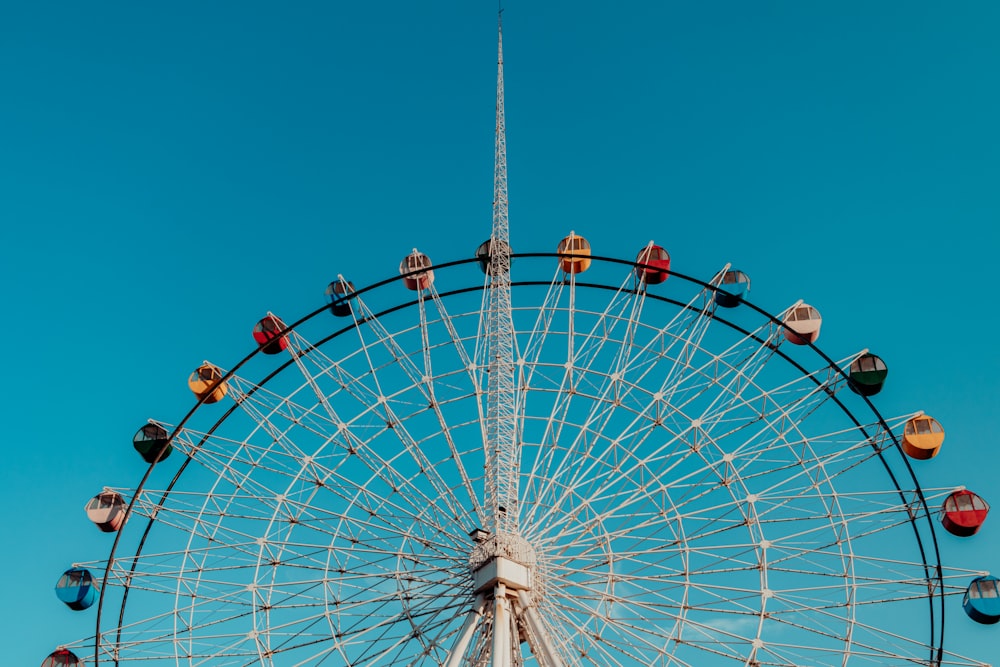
(922, 437)
(206, 383)
(574, 254)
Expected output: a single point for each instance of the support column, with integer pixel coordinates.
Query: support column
(502, 644)
(465, 636)
(538, 633)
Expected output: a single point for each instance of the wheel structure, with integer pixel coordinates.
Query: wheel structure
(590, 465)
(693, 489)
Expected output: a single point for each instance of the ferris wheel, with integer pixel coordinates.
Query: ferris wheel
(588, 461)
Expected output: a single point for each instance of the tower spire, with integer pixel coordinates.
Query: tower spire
(502, 562)
(502, 445)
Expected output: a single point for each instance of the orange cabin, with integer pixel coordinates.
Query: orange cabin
(922, 437)
(206, 383)
(802, 324)
(652, 264)
(416, 261)
(107, 510)
(574, 254)
(268, 335)
(963, 513)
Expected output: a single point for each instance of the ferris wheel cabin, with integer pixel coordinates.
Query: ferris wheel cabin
(867, 374)
(963, 513)
(206, 383)
(107, 510)
(484, 253)
(802, 325)
(152, 442)
(268, 335)
(574, 254)
(77, 588)
(732, 289)
(982, 600)
(339, 293)
(922, 437)
(62, 658)
(416, 261)
(652, 264)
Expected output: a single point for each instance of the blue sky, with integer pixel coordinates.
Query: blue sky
(168, 174)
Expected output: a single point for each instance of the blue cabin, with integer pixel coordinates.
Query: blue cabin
(982, 600)
(339, 293)
(77, 588)
(152, 442)
(732, 288)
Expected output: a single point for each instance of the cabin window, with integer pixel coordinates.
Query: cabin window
(988, 589)
(868, 363)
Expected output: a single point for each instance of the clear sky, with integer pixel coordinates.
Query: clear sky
(168, 173)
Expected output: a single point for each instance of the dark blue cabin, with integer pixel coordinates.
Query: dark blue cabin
(339, 293)
(732, 289)
(484, 253)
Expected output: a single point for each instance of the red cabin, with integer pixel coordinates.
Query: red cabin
(416, 261)
(268, 335)
(652, 264)
(62, 658)
(963, 513)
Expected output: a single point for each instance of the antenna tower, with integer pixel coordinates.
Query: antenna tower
(501, 428)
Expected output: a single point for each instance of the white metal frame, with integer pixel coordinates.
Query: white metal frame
(606, 477)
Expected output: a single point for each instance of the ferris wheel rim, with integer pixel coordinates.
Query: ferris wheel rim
(936, 642)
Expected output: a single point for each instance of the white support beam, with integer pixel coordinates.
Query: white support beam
(538, 633)
(465, 636)
(503, 644)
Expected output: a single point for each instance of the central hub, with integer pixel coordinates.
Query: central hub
(501, 559)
